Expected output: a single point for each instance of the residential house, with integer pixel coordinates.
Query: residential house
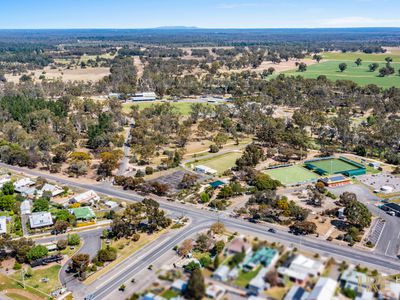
(40, 219)
(221, 273)
(296, 293)
(54, 189)
(233, 274)
(26, 207)
(32, 192)
(239, 245)
(151, 296)
(111, 204)
(86, 197)
(391, 291)
(351, 279)
(22, 183)
(298, 268)
(4, 180)
(258, 284)
(3, 224)
(205, 170)
(324, 289)
(179, 286)
(265, 256)
(83, 213)
(215, 291)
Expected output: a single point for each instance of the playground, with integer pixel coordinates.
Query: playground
(292, 175)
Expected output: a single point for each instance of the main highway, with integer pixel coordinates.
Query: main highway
(200, 220)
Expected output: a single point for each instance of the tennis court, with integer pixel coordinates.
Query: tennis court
(292, 175)
(336, 166)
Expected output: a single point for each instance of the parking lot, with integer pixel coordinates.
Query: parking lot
(376, 181)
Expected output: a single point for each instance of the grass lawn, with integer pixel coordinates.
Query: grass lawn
(36, 280)
(277, 292)
(125, 248)
(359, 75)
(352, 56)
(221, 163)
(183, 107)
(168, 294)
(15, 290)
(245, 277)
(291, 175)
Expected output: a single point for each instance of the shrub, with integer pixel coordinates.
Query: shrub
(74, 239)
(17, 266)
(62, 244)
(135, 237)
(107, 254)
(36, 252)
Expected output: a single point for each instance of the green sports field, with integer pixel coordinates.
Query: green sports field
(291, 175)
(221, 163)
(334, 165)
(359, 75)
(183, 107)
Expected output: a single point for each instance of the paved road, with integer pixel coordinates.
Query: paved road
(123, 166)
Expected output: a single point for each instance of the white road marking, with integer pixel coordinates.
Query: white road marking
(387, 248)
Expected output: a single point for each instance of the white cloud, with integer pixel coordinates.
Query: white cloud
(359, 21)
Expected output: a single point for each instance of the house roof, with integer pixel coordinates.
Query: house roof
(25, 207)
(221, 271)
(334, 178)
(214, 291)
(83, 213)
(40, 219)
(353, 277)
(3, 224)
(85, 197)
(263, 256)
(23, 182)
(179, 285)
(292, 273)
(238, 245)
(258, 281)
(323, 290)
(296, 293)
(302, 263)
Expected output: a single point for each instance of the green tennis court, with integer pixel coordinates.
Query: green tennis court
(333, 166)
(292, 175)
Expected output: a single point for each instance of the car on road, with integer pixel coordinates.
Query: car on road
(272, 230)
(89, 297)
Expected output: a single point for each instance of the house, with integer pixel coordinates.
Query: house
(3, 224)
(374, 164)
(324, 289)
(296, 293)
(84, 213)
(4, 180)
(151, 296)
(111, 204)
(221, 273)
(265, 256)
(205, 170)
(233, 274)
(22, 183)
(26, 207)
(299, 268)
(86, 197)
(356, 281)
(215, 292)
(391, 290)
(179, 286)
(143, 96)
(40, 219)
(32, 192)
(335, 180)
(239, 245)
(54, 189)
(257, 285)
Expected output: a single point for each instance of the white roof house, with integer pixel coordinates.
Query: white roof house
(32, 192)
(205, 170)
(179, 285)
(3, 224)
(221, 273)
(301, 267)
(23, 182)
(324, 289)
(111, 204)
(54, 189)
(40, 219)
(86, 197)
(25, 207)
(4, 180)
(215, 291)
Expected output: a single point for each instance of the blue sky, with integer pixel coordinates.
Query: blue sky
(200, 13)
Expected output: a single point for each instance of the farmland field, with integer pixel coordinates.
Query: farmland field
(291, 175)
(359, 75)
(352, 56)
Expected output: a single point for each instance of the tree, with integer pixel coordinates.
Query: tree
(62, 244)
(61, 226)
(264, 182)
(218, 228)
(388, 59)
(8, 188)
(251, 156)
(185, 248)
(342, 67)
(358, 214)
(41, 204)
(74, 239)
(346, 198)
(196, 287)
(373, 67)
(7, 202)
(317, 58)
(216, 262)
(80, 263)
(358, 62)
(188, 181)
(219, 247)
(107, 254)
(37, 252)
(304, 227)
(203, 242)
(302, 67)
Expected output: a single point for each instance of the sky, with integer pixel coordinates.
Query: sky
(33, 14)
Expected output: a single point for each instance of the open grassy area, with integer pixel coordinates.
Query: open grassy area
(168, 294)
(51, 273)
(183, 107)
(245, 277)
(16, 291)
(359, 75)
(221, 163)
(291, 175)
(125, 248)
(352, 56)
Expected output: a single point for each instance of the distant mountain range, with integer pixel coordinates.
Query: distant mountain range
(177, 27)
